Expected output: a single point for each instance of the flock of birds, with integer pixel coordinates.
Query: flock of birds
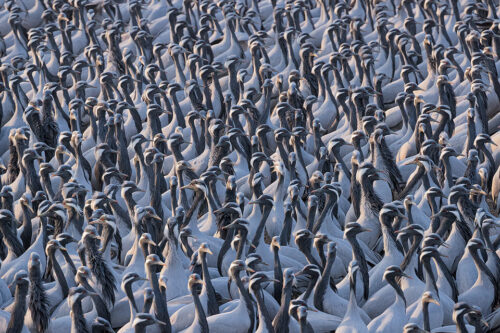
(249, 166)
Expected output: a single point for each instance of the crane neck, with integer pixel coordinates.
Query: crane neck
(59, 275)
(212, 308)
(323, 283)
(246, 300)
(160, 304)
(264, 318)
(200, 316)
(78, 322)
(266, 210)
(282, 319)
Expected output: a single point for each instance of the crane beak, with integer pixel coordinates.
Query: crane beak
(478, 192)
(154, 216)
(432, 300)
(410, 162)
(419, 99)
(22, 136)
(299, 273)
(44, 214)
(493, 143)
